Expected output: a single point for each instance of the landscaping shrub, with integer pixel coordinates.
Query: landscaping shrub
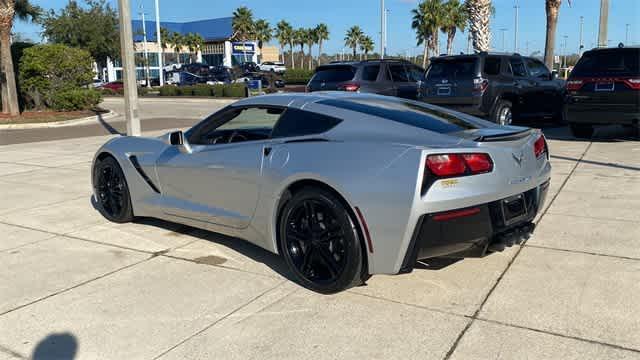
(108, 92)
(297, 76)
(168, 90)
(48, 73)
(218, 90)
(235, 90)
(202, 90)
(185, 90)
(142, 91)
(76, 99)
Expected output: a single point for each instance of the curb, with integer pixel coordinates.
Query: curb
(181, 98)
(63, 123)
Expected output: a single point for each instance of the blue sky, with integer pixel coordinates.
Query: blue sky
(339, 15)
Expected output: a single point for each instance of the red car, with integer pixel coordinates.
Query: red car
(114, 85)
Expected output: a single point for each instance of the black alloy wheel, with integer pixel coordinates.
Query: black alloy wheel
(112, 192)
(320, 243)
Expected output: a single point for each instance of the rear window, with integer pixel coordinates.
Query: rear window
(492, 65)
(614, 62)
(405, 112)
(334, 73)
(370, 72)
(457, 68)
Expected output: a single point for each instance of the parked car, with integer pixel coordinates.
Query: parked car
(604, 89)
(96, 83)
(270, 66)
(499, 87)
(265, 78)
(342, 186)
(172, 67)
(114, 85)
(385, 77)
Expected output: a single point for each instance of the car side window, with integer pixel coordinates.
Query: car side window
(370, 72)
(492, 65)
(237, 125)
(295, 122)
(398, 73)
(416, 73)
(517, 67)
(537, 69)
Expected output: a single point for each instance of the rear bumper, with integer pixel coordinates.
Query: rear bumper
(603, 114)
(471, 106)
(467, 236)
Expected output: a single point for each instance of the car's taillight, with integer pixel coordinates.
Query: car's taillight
(447, 165)
(480, 85)
(349, 87)
(540, 147)
(574, 85)
(633, 83)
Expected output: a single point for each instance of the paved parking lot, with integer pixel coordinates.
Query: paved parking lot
(74, 284)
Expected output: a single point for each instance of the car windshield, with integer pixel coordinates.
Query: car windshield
(613, 62)
(334, 74)
(457, 68)
(406, 112)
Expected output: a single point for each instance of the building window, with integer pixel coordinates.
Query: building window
(213, 59)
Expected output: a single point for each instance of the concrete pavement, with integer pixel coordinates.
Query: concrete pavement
(74, 284)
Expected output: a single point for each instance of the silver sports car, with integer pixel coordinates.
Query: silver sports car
(341, 185)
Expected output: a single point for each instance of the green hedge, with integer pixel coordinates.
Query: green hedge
(76, 99)
(297, 76)
(228, 90)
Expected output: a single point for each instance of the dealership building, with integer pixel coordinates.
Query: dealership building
(218, 48)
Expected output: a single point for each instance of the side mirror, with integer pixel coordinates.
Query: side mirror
(176, 138)
(554, 74)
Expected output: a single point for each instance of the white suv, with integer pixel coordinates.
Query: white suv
(272, 67)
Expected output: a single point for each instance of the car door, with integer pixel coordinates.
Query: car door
(545, 92)
(522, 86)
(405, 88)
(385, 85)
(218, 181)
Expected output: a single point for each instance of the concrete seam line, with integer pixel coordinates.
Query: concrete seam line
(595, 342)
(6, 350)
(220, 265)
(584, 252)
(495, 285)
(75, 286)
(219, 320)
(2, 213)
(56, 124)
(592, 217)
(411, 305)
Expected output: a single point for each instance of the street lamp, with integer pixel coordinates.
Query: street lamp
(128, 69)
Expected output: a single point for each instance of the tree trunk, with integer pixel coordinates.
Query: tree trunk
(354, 53)
(425, 54)
(552, 22)
(293, 60)
(302, 57)
(479, 21)
(7, 66)
(451, 34)
(319, 52)
(310, 57)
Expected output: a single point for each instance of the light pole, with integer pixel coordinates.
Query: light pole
(504, 47)
(581, 45)
(128, 69)
(382, 28)
(515, 40)
(144, 46)
(159, 41)
(565, 50)
(626, 34)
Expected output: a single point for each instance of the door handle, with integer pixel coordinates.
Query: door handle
(266, 151)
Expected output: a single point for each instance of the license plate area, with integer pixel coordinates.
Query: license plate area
(444, 90)
(605, 86)
(514, 209)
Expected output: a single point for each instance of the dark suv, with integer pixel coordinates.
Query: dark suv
(385, 77)
(499, 87)
(603, 89)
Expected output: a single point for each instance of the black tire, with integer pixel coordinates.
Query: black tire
(113, 199)
(581, 131)
(502, 113)
(319, 242)
(560, 118)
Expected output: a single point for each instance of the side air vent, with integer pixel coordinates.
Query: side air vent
(136, 165)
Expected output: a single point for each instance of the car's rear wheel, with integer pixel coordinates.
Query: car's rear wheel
(112, 193)
(320, 243)
(581, 130)
(503, 113)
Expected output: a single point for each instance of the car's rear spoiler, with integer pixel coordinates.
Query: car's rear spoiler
(505, 137)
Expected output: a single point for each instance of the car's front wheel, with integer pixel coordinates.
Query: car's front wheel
(503, 113)
(111, 190)
(320, 243)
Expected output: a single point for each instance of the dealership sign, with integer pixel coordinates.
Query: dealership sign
(241, 48)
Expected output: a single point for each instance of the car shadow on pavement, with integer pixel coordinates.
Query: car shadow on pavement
(59, 346)
(108, 127)
(612, 133)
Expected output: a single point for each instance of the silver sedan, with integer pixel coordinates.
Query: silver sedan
(341, 185)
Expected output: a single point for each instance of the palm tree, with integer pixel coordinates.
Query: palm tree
(553, 9)
(262, 33)
(164, 34)
(311, 38)
(353, 38)
(455, 17)
(300, 38)
(479, 12)
(322, 32)
(177, 41)
(193, 42)
(427, 19)
(366, 45)
(9, 9)
(284, 33)
(243, 26)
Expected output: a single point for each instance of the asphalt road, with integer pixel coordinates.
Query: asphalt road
(156, 114)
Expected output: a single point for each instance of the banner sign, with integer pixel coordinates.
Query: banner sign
(255, 87)
(241, 48)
